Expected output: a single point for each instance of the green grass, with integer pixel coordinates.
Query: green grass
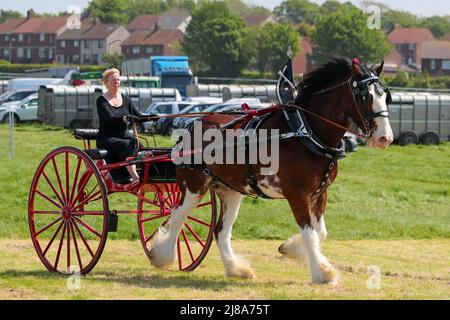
(399, 193)
(409, 269)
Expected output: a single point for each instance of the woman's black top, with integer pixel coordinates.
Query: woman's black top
(113, 131)
(110, 118)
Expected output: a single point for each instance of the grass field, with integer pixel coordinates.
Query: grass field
(409, 269)
(399, 193)
(389, 209)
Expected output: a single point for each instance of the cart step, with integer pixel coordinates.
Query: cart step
(113, 221)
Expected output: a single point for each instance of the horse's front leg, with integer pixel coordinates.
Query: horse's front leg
(293, 247)
(322, 271)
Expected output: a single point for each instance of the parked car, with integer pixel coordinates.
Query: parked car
(164, 125)
(163, 108)
(15, 95)
(25, 110)
(184, 122)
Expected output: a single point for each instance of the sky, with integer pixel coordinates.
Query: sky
(421, 8)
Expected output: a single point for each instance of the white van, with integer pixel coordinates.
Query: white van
(32, 83)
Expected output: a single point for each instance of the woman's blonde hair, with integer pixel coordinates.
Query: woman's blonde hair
(107, 73)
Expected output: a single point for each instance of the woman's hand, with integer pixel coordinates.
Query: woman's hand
(125, 119)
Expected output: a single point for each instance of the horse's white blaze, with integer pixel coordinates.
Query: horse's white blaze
(322, 271)
(163, 246)
(234, 266)
(384, 129)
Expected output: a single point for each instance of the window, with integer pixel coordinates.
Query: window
(41, 37)
(87, 44)
(149, 50)
(41, 53)
(50, 54)
(62, 44)
(433, 64)
(86, 58)
(20, 37)
(101, 44)
(76, 43)
(6, 53)
(163, 109)
(76, 58)
(28, 53)
(19, 52)
(136, 50)
(6, 38)
(445, 64)
(51, 39)
(94, 59)
(31, 103)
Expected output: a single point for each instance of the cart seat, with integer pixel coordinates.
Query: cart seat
(97, 154)
(86, 134)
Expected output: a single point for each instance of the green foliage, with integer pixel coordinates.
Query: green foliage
(6, 14)
(215, 40)
(402, 18)
(296, 11)
(345, 33)
(421, 80)
(110, 11)
(113, 60)
(438, 25)
(138, 7)
(5, 66)
(331, 6)
(269, 45)
(243, 9)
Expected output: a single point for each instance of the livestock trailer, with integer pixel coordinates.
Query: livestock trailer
(420, 117)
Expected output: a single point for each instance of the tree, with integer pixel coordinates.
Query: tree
(113, 60)
(331, 6)
(345, 33)
(270, 44)
(438, 25)
(392, 17)
(296, 11)
(215, 40)
(110, 11)
(6, 14)
(139, 7)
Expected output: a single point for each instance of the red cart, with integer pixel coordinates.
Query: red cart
(70, 216)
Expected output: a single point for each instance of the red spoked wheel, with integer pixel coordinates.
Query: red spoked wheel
(196, 235)
(68, 212)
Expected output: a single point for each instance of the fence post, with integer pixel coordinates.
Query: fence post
(11, 134)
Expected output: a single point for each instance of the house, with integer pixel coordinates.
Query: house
(393, 64)
(155, 22)
(33, 40)
(259, 19)
(143, 44)
(302, 62)
(6, 28)
(68, 44)
(436, 57)
(408, 42)
(143, 22)
(101, 39)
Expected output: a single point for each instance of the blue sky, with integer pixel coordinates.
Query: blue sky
(418, 7)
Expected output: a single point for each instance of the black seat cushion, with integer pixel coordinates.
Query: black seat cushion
(97, 154)
(86, 134)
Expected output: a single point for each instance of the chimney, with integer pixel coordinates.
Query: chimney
(30, 14)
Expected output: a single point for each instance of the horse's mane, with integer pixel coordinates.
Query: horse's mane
(337, 70)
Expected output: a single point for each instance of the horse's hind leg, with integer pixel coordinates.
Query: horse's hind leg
(322, 271)
(163, 246)
(234, 266)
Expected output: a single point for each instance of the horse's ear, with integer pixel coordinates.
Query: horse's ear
(379, 70)
(356, 67)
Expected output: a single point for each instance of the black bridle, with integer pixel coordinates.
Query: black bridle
(360, 89)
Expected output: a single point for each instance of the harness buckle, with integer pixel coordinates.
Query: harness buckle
(206, 172)
(303, 132)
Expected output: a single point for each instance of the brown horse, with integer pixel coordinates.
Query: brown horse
(344, 93)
